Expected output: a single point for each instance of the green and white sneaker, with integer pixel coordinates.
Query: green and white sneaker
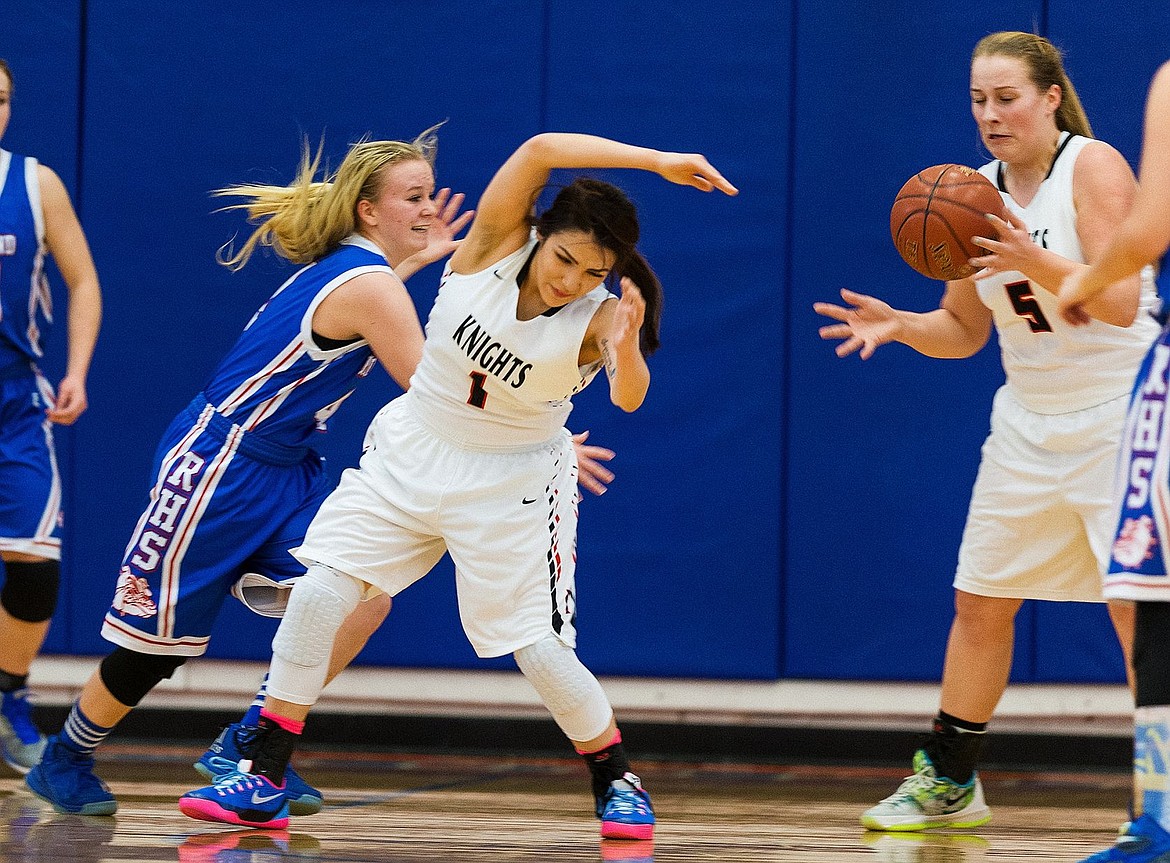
(927, 800)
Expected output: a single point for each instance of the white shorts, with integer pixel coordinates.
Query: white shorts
(1042, 514)
(509, 521)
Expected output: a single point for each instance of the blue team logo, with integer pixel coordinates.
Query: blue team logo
(7, 244)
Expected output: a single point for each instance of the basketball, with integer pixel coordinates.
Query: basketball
(935, 215)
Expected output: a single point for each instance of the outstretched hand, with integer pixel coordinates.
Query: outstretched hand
(866, 324)
(448, 223)
(693, 169)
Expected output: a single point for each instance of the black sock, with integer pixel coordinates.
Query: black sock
(270, 750)
(954, 747)
(12, 682)
(606, 765)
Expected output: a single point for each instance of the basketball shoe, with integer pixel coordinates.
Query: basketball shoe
(21, 743)
(226, 752)
(625, 810)
(1142, 840)
(927, 800)
(65, 779)
(247, 799)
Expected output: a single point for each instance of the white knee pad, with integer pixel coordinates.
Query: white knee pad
(567, 688)
(321, 600)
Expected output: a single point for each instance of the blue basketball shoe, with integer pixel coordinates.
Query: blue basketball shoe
(625, 810)
(240, 798)
(224, 755)
(1142, 840)
(21, 742)
(65, 779)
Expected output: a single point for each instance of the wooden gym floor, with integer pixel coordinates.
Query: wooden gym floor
(456, 808)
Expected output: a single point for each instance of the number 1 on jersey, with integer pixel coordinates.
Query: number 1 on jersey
(477, 398)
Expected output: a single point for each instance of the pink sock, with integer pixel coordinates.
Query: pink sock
(617, 738)
(287, 724)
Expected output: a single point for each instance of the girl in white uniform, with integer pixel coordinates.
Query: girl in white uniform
(474, 460)
(1041, 516)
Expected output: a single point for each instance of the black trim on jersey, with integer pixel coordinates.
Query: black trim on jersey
(327, 344)
(999, 177)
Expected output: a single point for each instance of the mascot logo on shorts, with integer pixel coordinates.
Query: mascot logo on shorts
(132, 596)
(1135, 542)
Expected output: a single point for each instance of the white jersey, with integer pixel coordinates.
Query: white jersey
(488, 381)
(1053, 367)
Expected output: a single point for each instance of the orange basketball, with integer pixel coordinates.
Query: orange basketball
(936, 214)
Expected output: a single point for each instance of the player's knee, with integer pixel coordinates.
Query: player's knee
(30, 589)
(320, 602)
(129, 675)
(1151, 654)
(568, 689)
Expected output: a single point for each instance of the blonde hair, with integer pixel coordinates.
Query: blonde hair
(309, 218)
(1045, 68)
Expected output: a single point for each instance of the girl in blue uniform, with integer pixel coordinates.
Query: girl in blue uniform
(235, 480)
(36, 219)
(1139, 566)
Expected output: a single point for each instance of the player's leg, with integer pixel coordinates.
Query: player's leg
(1146, 838)
(65, 775)
(515, 568)
(256, 795)
(27, 602)
(945, 790)
(30, 549)
(582, 711)
(358, 527)
(274, 561)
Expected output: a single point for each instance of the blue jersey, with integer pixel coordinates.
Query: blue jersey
(235, 483)
(25, 304)
(275, 382)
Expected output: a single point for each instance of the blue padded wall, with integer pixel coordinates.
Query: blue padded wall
(684, 549)
(882, 453)
(778, 511)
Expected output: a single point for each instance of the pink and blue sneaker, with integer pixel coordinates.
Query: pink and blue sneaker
(626, 812)
(243, 798)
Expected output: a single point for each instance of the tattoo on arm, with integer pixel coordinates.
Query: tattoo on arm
(607, 358)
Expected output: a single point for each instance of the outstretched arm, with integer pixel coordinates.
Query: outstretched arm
(957, 329)
(1145, 234)
(506, 203)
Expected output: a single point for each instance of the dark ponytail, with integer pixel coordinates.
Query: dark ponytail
(603, 210)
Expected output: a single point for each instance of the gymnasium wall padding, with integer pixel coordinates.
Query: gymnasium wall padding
(778, 512)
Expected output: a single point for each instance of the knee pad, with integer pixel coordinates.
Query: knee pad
(1151, 654)
(129, 675)
(30, 589)
(319, 603)
(568, 689)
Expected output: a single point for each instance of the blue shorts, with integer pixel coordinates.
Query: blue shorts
(30, 489)
(224, 502)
